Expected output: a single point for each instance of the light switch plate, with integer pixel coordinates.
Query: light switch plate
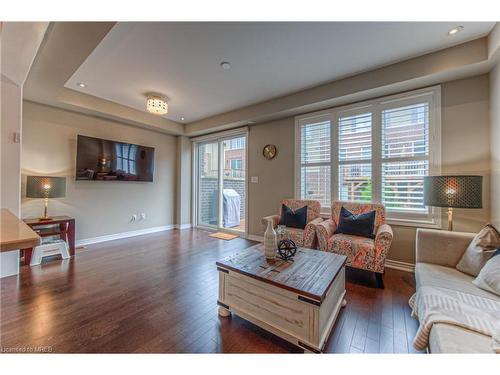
(254, 179)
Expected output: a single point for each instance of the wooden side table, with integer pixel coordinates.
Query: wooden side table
(62, 226)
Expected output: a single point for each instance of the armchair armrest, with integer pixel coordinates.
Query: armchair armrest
(324, 231)
(441, 247)
(383, 241)
(274, 218)
(310, 233)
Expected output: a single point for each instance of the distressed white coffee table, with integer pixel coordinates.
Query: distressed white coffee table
(297, 300)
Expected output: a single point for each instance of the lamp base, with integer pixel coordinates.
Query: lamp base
(45, 216)
(450, 219)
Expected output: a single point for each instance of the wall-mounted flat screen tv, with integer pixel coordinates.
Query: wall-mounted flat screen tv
(104, 160)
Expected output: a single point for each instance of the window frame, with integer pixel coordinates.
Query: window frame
(321, 116)
(431, 95)
(236, 162)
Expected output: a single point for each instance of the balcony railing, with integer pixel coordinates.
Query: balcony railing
(227, 173)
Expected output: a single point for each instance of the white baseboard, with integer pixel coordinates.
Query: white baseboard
(117, 236)
(397, 265)
(182, 226)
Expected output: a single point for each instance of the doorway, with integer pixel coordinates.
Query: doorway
(221, 183)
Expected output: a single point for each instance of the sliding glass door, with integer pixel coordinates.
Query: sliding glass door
(208, 184)
(221, 183)
(234, 183)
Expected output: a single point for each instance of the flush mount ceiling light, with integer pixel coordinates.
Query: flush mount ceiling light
(81, 84)
(225, 65)
(182, 118)
(455, 30)
(156, 105)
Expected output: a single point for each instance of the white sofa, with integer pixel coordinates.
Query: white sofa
(438, 252)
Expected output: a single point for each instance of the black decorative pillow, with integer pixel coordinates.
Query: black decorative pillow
(358, 225)
(293, 219)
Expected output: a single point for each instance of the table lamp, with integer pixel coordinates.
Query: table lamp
(45, 187)
(453, 192)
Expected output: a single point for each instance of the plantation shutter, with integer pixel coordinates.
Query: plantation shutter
(354, 157)
(315, 169)
(405, 157)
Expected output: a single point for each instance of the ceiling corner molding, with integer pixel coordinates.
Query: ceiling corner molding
(459, 61)
(494, 42)
(66, 47)
(20, 42)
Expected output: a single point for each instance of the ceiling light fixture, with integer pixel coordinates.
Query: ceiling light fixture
(182, 118)
(81, 84)
(225, 65)
(156, 105)
(455, 30)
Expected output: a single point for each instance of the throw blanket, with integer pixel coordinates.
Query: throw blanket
(433, 305)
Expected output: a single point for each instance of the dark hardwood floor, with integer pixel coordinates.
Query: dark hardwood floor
(157, 293)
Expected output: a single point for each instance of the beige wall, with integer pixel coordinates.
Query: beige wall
(183, 183)
(465, 149)
(275, 176)
(495, 144)
(100, 208)
(465, 141)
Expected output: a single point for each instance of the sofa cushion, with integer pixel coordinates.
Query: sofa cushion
(427, 274)
(446, 338)
(489, 277)
(479, 251)
(360, 251)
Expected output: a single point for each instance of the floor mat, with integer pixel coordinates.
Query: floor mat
(223, 236)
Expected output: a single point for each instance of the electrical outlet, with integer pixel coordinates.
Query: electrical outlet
(143, 216)
(133, 218)
(254, 179)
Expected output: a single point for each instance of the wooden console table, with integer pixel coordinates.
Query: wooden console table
(62, 226)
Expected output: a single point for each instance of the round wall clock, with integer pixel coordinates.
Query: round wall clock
(269, 151)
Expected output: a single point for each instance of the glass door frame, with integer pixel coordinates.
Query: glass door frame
(219, 138)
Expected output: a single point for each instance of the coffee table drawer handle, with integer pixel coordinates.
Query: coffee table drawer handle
(311, 301)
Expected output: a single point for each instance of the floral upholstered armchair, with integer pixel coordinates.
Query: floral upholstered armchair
(302, 237)
(362, 252)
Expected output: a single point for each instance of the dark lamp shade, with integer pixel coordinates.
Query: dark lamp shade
(45, 187)
(453, 191)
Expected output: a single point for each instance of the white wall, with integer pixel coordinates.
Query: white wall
(11, 117)
(100, 208)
